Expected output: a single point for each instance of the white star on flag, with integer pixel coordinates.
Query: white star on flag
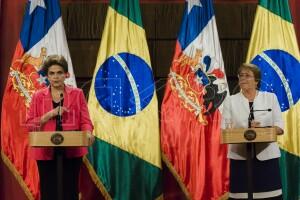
(192, 3)
(42, 79)
(36, 3)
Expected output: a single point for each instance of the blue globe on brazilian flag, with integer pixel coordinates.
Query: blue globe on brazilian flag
(124, 75)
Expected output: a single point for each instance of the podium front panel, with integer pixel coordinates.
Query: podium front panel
(237, 135)
(58, 138)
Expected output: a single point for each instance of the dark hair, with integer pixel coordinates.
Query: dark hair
(253, 68)
(55, 60)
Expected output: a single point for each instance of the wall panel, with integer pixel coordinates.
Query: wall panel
(84, 22)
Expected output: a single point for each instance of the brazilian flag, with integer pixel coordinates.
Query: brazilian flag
(125, 160)
(273, 47)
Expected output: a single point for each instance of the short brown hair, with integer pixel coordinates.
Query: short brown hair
(254, 69)
(55, 60)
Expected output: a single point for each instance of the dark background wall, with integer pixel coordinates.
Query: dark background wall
(84, 22)
(161, 22)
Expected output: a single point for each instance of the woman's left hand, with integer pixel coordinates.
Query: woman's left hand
(91, 138)
(279, 131)
(255, 124)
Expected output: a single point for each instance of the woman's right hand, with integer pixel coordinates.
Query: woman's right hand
(59, 110)
(53, 113)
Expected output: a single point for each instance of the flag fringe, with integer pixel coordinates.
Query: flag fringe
(224, 196)
(180, 182)
(160, 197)
(96, 179)
(176, 176)
(16, 174)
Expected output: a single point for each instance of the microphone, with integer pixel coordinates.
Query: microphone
(59, 109)
(61, 97)
(251, 116)
(258, 110)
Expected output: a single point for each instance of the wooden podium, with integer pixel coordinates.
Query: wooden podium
(249, 136)
(59, 140)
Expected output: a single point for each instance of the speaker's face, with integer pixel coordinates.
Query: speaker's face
(247, 80)
(56, 76)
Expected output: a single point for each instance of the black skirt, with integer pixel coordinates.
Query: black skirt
(266, 179)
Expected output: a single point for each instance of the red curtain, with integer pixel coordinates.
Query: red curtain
(11, 14)
(295, 9)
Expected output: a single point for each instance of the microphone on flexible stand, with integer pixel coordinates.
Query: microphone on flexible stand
(251, 114)
(250, 117)
(269, 110)
(60, 111)
(59, 151)
(251, 135)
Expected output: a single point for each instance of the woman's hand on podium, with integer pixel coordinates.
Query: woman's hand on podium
(279, 131)
(255, 124)
(91, 138)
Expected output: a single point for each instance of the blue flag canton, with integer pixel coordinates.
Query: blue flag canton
(38, 19)
(196, 16)
(280, 72)
(124, 85)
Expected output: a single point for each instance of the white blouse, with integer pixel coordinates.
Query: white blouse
(236, 110)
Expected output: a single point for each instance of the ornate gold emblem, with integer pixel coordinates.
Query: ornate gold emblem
(23, 85)
(189, 97)
(24, 74)
(197, 80)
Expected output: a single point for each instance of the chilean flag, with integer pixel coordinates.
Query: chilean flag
(190, 115)
(42, 34)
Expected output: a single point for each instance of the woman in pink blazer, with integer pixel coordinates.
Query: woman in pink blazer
(58, 108)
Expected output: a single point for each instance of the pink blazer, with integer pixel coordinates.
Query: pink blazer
(76, 119)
